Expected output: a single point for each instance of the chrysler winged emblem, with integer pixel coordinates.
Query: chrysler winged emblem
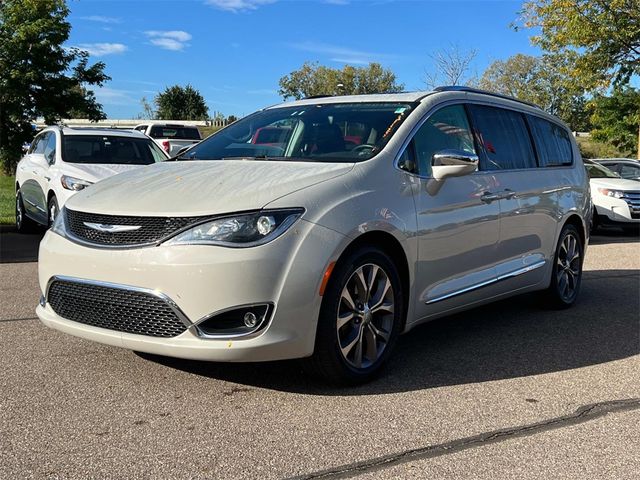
(101, 227)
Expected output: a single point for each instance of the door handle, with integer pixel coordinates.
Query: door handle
(489, 197)
(48, 179)
(35, 172)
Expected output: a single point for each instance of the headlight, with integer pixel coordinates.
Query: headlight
(72, 183)
(247, 230)
(59, 225)
(611, 193)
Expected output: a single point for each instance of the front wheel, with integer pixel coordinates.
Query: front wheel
(567, 269)
(53, 210)
(360, 319)
(23, 223)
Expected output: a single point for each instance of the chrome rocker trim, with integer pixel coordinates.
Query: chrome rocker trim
(504, 276)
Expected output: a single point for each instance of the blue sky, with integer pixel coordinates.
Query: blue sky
(235, 51)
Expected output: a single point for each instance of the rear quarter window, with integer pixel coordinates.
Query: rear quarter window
(552, 142)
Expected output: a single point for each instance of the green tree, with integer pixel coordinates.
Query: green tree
(38, 76)
(181, 103)
(314, 79)
(603, 34)
(616, 118)
(544, 81)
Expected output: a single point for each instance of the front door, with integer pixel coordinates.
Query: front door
(458, 220)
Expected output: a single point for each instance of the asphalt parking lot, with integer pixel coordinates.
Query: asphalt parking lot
(510, 390)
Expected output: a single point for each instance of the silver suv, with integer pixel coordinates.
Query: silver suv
(361, 218)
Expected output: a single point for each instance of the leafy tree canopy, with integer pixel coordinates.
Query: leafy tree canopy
(181, 103)
(616, 118)
(603, 34)
(314, 79)
(541, 80)
(39, 77)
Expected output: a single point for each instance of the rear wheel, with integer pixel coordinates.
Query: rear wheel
(23, 223)
(567, 269)
(360, 319)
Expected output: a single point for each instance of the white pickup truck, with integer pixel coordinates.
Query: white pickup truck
(171, 137)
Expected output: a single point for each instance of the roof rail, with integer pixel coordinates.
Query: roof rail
(462, 88)
(310, 97)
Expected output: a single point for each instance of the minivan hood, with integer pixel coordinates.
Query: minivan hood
(615, 184)
(95, 172)
(192, 188)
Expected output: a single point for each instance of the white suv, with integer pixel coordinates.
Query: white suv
(616, 200)
(62, 161)
(364, 217)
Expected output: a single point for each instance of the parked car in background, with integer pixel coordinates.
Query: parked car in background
(625, 167)
(171, 137)
(61, 161)
(309, 246)
(616, 200)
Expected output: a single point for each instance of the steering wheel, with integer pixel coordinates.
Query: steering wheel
(363, 147)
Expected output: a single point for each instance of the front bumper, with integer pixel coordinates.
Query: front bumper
(202, 280)
(615, 211)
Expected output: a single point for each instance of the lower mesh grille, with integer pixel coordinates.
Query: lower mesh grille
(114, 308)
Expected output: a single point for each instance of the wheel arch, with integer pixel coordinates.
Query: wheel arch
(392, 247)
(575, 220)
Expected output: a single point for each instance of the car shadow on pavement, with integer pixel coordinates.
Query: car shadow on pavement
(508, 339)
(19, 247)
(614, 235)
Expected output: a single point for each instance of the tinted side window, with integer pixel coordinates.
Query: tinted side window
(504, 137)
(552, 142)
(448, 128)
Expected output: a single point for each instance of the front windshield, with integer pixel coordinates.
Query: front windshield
(110, 149)
(598, 171)
(342, 132)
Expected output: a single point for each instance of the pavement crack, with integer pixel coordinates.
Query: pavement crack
(18, 319)
(581, 415)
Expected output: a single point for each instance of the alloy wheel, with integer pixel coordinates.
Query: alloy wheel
(365, 316)
(568, 267)
(53, 212)
(19, 212)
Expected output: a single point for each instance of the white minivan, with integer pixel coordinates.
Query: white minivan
(367, 216)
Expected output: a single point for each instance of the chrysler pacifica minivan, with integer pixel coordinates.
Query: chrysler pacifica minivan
(362, 217)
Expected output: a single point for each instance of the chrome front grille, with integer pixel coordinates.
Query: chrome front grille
(633, 200)
(150, 230)
(115, 308)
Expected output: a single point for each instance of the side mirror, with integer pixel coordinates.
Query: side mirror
(25, 147)
(453, 163)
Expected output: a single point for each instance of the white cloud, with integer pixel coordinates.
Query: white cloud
(236, 6)
(101, 19)
(101, 49)
(175, 40)
(177, 35)
(341, 54)
(113, 96)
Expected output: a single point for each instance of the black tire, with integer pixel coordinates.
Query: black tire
(328, 360)
(52, 210)
(595, 224)
(567, 272)
(23, 223)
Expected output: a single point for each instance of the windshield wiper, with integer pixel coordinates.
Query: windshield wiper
(257, 157)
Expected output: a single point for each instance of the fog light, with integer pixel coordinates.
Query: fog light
(250, 319)
(238, 321)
